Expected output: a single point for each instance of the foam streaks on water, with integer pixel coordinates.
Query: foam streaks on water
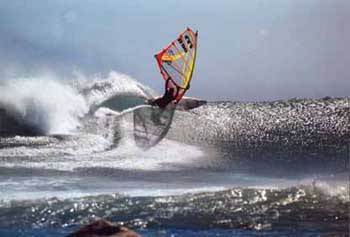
(257, 209)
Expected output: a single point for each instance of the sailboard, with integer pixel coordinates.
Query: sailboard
(176, 62)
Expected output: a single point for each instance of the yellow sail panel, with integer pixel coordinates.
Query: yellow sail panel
(176, 62)
(170, 58)
(190, 70)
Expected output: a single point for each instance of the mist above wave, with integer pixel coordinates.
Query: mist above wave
(97, 90)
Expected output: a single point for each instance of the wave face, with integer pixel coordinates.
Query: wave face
(297, 122)
(68, 155)
(295, 133)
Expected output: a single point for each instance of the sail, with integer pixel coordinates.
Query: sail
(176, 62)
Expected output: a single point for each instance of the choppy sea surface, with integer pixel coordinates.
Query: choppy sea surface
(68, 156)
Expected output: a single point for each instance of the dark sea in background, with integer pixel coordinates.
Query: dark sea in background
(68, 156)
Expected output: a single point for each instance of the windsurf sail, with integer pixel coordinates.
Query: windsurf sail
(176, 62)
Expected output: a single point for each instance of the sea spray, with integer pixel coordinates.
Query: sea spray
(97, 89)
(45, 104)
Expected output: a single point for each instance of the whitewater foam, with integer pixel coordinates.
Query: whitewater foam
(98, 89)
(45, 104)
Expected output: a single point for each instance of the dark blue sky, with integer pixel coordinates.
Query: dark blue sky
(248, 50)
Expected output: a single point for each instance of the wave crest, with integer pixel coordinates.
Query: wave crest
(43, 105)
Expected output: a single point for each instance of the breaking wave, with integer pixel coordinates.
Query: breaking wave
(40, 106)
(81, 116)
(45, 105)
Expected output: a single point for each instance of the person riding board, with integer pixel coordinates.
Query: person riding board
(168, 97)
(176, 64)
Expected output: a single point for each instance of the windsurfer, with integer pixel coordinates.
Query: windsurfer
(167, 98)
(176, 63)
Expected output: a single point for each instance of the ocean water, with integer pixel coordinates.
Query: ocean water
(68, 155)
